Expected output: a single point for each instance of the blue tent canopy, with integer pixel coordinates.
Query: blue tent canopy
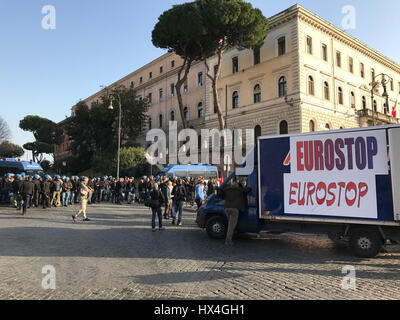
(20, 165)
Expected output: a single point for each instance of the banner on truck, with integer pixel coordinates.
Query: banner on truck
(335, 174)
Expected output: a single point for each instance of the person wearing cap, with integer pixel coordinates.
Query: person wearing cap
(27, 189)
(84, 191)
(36, 191)
(46, 189)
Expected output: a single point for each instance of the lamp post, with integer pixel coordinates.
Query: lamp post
(374, 84)
(111, 107)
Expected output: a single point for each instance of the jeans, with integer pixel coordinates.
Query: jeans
(178, 208)
(66, 195)
(72, 198)
(158, 212)
(26, 199)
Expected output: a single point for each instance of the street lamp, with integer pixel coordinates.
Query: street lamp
(111, 107)
(374, 84)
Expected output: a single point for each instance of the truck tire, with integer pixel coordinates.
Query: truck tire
(365, 243)
(216, 228)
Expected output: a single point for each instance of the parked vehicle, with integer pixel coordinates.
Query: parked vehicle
(191, 171)
(16, 166)
(342, 183)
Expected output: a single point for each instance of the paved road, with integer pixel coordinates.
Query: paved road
(116, 256)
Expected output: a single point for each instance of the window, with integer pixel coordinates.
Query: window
(283, 127)
(172, 89)
(257, 93)
(200, 112)
(309, 45)
(172, 63)
(362, 72)
(150, 75)
(172, 115)
(235, 100)
(372, 75)
(312, 126)
(149, 122)
(132, 84)
(338, 59)
(351, 66)
(375, 106)
(256, 55)
(200, 79)
(352, 100)
(326, 91)
(257, 132)
(215, 69)
(340, 95)
(150, 97)
(235, 64)
(327, 126)
(391, 85)
(160, 94)
(364, 103)
(282, 87)
(311, 90)
(160, 120)
(281, 46)
(141, 80)
(161, 69)
(186, 113)
(324, 52)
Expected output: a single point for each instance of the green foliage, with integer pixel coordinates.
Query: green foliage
(45, 132)
(93, 131)
(10, 150)
(133, 162)
(46, 165)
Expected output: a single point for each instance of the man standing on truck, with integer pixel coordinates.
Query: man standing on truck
(235, 203)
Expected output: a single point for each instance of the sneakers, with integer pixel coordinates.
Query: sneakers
(86, 219)
(179, 223)
(161, 229)
(153, 229)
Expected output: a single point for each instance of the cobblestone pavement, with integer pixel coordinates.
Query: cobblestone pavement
(116, 256)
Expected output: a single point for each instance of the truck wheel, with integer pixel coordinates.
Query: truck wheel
(365, 243)
(216, 228)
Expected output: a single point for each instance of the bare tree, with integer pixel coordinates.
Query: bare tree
(5, 132)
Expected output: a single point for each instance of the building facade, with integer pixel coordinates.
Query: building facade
(308, 76)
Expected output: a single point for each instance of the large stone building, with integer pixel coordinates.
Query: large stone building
(308, 76)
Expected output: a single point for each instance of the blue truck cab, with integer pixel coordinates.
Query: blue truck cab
(345, 184)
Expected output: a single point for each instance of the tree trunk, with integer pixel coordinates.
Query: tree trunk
(214, 81)
(181, 80)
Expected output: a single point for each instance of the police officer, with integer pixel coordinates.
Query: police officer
(45, 188)
(27, 189)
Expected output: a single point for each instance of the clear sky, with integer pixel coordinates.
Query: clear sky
(96, 42)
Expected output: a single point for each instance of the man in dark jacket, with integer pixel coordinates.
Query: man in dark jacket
(179, 196)
(157, 196)
(235, 202)
(46, 189)
(26, 190)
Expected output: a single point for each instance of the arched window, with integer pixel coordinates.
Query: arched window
(200, 112)
(364, 102)
(283, 127)
(257, 132)
(172, 115)
(326, 91)
(160, 120)
(312, 126)
(352, 100)
(327, 126)
(257, 93)
(235, 100)
(282, 87)
(186, 113)
(340, 95)
(311, 90)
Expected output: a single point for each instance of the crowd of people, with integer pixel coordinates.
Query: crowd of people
(165, 196)
(24, 191)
